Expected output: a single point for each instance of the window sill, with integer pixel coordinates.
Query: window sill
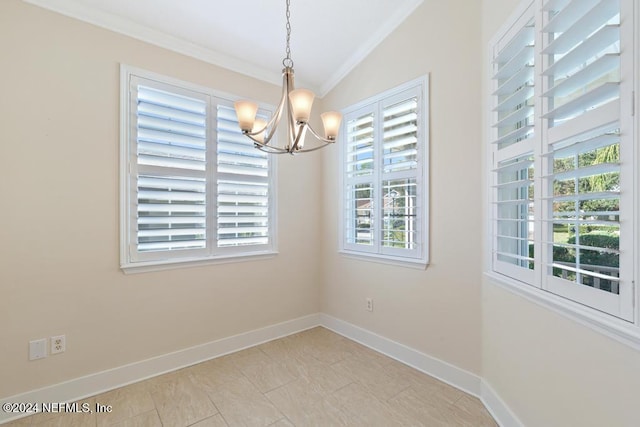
(150, 266)
(618, 329)
(419, 264)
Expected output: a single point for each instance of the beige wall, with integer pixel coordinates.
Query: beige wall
(551, 371)
(59, 103)
(437, 310)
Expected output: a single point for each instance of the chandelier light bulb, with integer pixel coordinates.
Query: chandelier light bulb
(259, 129)
(301, 102)
(246, 112)
(331, 122)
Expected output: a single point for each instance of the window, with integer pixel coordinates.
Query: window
(562, 151)
(194, 189)
(384, 160)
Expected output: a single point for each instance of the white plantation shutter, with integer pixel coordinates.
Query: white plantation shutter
(513, 222)
(195, 188)
(359, 146)
(400, 136)
(242, 186)
(513, 83)
(562, 147)
(512, 149)
(360, 161)
(400, 213)
(384, 162)
(400, 198)
(170, 163)
(586, 138)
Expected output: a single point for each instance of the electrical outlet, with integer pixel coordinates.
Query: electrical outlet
(369, 304)
(38, 349)
(58, 344)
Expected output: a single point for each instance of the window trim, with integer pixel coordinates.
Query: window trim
(227, 255)
(625, 332)
(421, 262)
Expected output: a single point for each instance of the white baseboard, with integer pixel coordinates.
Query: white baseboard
(452, 375)
(498, 408)
(101, 382)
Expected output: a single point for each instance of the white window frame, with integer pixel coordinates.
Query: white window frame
(623, 321)
(130, 260)
(414, 258)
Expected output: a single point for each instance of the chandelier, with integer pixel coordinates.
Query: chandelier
(297, 103)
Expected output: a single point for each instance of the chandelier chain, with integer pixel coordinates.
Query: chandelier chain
(287, 61)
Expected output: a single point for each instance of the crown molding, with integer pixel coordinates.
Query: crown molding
(141, 32)
(377, 37)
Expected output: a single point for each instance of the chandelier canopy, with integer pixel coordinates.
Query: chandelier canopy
(297, 103)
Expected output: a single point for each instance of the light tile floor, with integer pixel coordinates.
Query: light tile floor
(313, 378)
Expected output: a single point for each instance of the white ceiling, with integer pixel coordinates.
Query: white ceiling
(328, 37)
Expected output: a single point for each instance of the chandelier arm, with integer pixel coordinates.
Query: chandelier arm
(276, 117)
(270, 149)
(251, 135)
(287, 87)
(291, 133)
(298, 136)
(323, 139)
(273, 149)
(274, 120)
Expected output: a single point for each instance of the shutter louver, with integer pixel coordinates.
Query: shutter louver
(171, 164)
(360, 164)
(360, 155)
(399, 195)
(513, 210)
(514, 81)
(586, 209)
(399, 212)
(359, 214)
(400, 136)
(242, 186)
(584, 61)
